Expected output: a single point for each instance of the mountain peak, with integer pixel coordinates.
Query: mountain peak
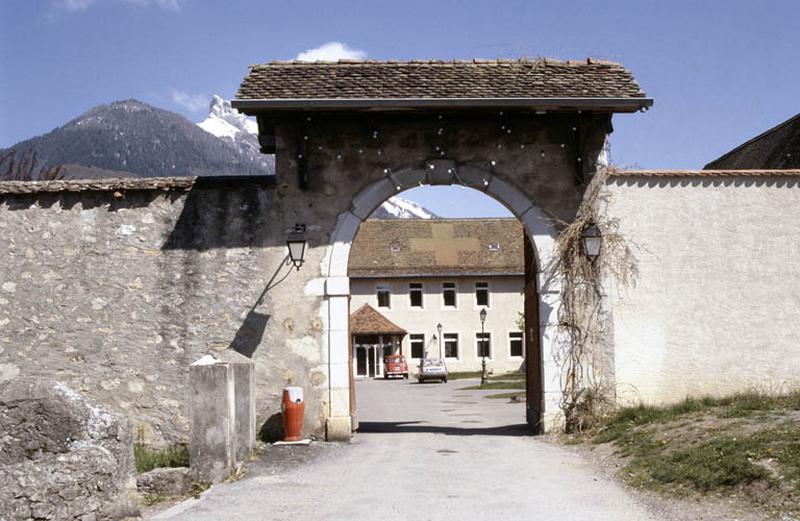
(226, 122)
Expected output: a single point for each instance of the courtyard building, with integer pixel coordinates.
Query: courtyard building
(432, 278)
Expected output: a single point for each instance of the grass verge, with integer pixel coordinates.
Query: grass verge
(148, 459)
(744, 445)
(506, 396)
(463, 375)
(498, 384)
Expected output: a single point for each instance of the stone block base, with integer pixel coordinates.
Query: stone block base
(339, 429)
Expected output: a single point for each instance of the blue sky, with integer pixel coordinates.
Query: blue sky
(720, 71)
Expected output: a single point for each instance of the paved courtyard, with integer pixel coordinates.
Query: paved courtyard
(424, 452)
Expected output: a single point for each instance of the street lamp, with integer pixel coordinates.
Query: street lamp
(439, 329)
(591, 241)
(296, 241)
(483, 346)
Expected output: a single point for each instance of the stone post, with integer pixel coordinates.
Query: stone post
(212, 444)
(244, 390)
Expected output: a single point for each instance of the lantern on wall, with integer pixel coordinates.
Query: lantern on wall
(296, 241)
(591, 241)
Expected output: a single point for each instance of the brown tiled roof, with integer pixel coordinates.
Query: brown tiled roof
(416, 247)
(778, 147)
(439, 79)
(706, 173)
(366, 321)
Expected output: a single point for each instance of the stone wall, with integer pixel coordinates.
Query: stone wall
(116, 291)
(715, 307)
(62, 457)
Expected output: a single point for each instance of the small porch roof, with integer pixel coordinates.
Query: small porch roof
(367, 321)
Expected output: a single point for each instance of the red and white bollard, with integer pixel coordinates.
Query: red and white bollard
(293, 409)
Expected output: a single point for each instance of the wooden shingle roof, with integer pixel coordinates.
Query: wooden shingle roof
(437, 247)
(440, 80)
(367, 321)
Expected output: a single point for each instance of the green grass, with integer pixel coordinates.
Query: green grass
(707, 445)
(505, 396)
(498, 384)
(463, 375)
(516, 375)
(148, 459)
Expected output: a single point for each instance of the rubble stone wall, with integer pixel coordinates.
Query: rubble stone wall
(62, 457)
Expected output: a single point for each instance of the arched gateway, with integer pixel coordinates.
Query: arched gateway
(349, 135)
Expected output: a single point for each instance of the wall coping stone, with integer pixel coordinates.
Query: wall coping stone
(704, 173)
(132, 183)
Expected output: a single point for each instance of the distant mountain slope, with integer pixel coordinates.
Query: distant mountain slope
(137, 138)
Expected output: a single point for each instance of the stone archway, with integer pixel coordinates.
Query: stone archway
(539, 230)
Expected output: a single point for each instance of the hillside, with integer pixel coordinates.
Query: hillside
(136, 138)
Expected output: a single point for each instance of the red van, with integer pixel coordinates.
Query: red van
(395, 365)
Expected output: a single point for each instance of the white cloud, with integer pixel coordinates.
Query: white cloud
(331, 51)
(74, 5)
(191, 102)
(82, 5)
(169, 5)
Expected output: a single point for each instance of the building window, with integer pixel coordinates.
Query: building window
(384, 296)
(417, 345)
(515, 343)
(415, 294)
(484, 344)
(450, 345)
(482, 294)
(449, 294)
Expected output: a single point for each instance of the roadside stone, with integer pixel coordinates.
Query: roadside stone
(165, 482)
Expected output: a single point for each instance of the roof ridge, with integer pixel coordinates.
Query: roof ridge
(474, 61)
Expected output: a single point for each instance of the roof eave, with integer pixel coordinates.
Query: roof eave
(255, 106)
(359, 274)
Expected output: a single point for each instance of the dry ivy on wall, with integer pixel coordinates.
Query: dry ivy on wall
(583, 337)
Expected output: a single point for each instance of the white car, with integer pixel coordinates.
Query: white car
(432, 369)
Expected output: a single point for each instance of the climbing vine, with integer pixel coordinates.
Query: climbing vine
(583, 340)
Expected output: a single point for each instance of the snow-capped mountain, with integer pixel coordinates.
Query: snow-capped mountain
(227, 123)
(132, 138)
(399, 208)
(224, 121)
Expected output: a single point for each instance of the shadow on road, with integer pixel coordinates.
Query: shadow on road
(522, 429)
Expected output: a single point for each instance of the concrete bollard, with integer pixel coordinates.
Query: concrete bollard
(212, 443)
(244, 389)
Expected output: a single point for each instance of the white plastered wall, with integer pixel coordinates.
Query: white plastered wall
(335, 309)
(715, 307)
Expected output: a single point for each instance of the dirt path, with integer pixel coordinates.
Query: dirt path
(425, 452)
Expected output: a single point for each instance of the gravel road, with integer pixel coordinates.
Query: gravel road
(423, 452)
